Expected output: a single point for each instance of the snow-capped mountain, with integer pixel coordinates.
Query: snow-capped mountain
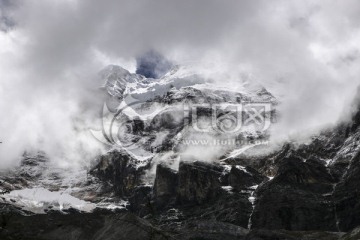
(149, 115)
(176, 175)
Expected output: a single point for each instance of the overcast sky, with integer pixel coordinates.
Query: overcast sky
(307, 52)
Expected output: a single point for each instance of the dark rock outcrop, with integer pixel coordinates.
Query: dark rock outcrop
(198, 182)
(165, 186)
(298, 198)
(347, 197)
(120, 170)
(241, 178)
(80, 226)
(141, 202)
(199, 194)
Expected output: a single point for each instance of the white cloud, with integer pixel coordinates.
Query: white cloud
(51, 57)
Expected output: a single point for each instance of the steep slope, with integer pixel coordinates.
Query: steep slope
(168, 175)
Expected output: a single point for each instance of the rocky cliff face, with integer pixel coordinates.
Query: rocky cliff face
(309, 191)
(312, 190)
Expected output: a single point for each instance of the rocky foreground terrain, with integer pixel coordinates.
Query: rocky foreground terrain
(309, 191)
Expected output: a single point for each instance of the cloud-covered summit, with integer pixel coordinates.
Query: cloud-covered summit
(305, 52)
(152, 64)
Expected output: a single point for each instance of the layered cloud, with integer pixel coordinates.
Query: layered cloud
(306, 52)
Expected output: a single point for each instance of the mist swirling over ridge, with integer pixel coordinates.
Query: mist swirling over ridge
(306, 53)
